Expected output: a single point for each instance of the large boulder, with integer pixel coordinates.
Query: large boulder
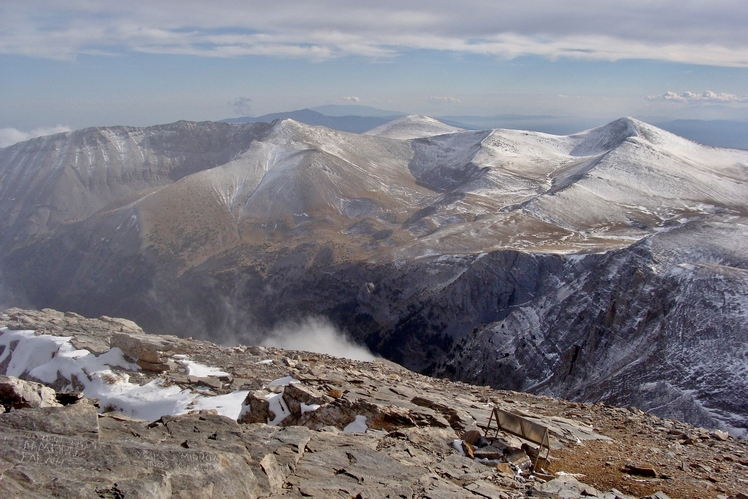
(143, 347)
(19, 394)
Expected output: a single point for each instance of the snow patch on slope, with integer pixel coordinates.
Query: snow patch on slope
(200, 370)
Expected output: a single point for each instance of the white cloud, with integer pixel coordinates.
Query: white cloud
(316, 335)
(435, 99)
(242, 106)
(10, 136)
(351, 98)
(707, 96)
(702, 32)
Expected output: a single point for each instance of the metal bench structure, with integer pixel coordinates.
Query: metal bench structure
(522, 428)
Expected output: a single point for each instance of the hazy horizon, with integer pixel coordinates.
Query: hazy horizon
(81, 63)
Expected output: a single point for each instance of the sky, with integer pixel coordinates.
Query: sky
(79, 63)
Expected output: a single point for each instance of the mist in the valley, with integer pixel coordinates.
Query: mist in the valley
(10, 298)
(318, 335)
(231, 324)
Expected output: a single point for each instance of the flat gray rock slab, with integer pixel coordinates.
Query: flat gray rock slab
(79, 420)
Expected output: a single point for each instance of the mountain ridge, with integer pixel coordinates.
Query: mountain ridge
(715, 133)
(424, 249)
(347, 123)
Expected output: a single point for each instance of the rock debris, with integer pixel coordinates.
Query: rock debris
(411, 435)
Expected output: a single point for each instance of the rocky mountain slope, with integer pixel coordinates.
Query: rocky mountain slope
(125, 414)
(601, 266)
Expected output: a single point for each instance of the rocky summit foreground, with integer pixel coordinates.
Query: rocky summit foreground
(262, 422)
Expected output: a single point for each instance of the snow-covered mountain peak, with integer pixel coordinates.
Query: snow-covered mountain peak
(413, 127)
(288, 127)
(602, 139)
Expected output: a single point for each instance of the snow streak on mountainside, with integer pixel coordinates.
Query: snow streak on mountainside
(431, 244)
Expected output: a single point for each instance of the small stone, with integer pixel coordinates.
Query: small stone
(156, 367)
(701, 467)
(488, 452)
(471, 436)
(657, 495)
(589, 491)
(468, 449)
(482, 488)
(633, 469)
(256, 350)
(531, 451)
(208, 381)
(68, 397)
(255, 408)
(719, 435)
(273, 471)
(246, 384)
(505, 469)
(296, 396)
(122, 324)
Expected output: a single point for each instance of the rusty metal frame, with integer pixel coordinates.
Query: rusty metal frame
(522, 428)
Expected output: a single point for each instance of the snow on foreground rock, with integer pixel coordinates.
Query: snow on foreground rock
(53, 360)
(360, 429)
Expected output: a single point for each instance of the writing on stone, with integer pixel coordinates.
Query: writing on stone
(61, 452)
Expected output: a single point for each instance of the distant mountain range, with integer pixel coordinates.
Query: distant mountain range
(717, 133)
(359, 119)
(354, 124)
(605, 265)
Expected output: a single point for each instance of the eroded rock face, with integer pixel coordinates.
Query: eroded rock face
(630, 328)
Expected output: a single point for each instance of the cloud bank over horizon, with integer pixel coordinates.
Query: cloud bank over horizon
(707, 97)
(698, 32)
